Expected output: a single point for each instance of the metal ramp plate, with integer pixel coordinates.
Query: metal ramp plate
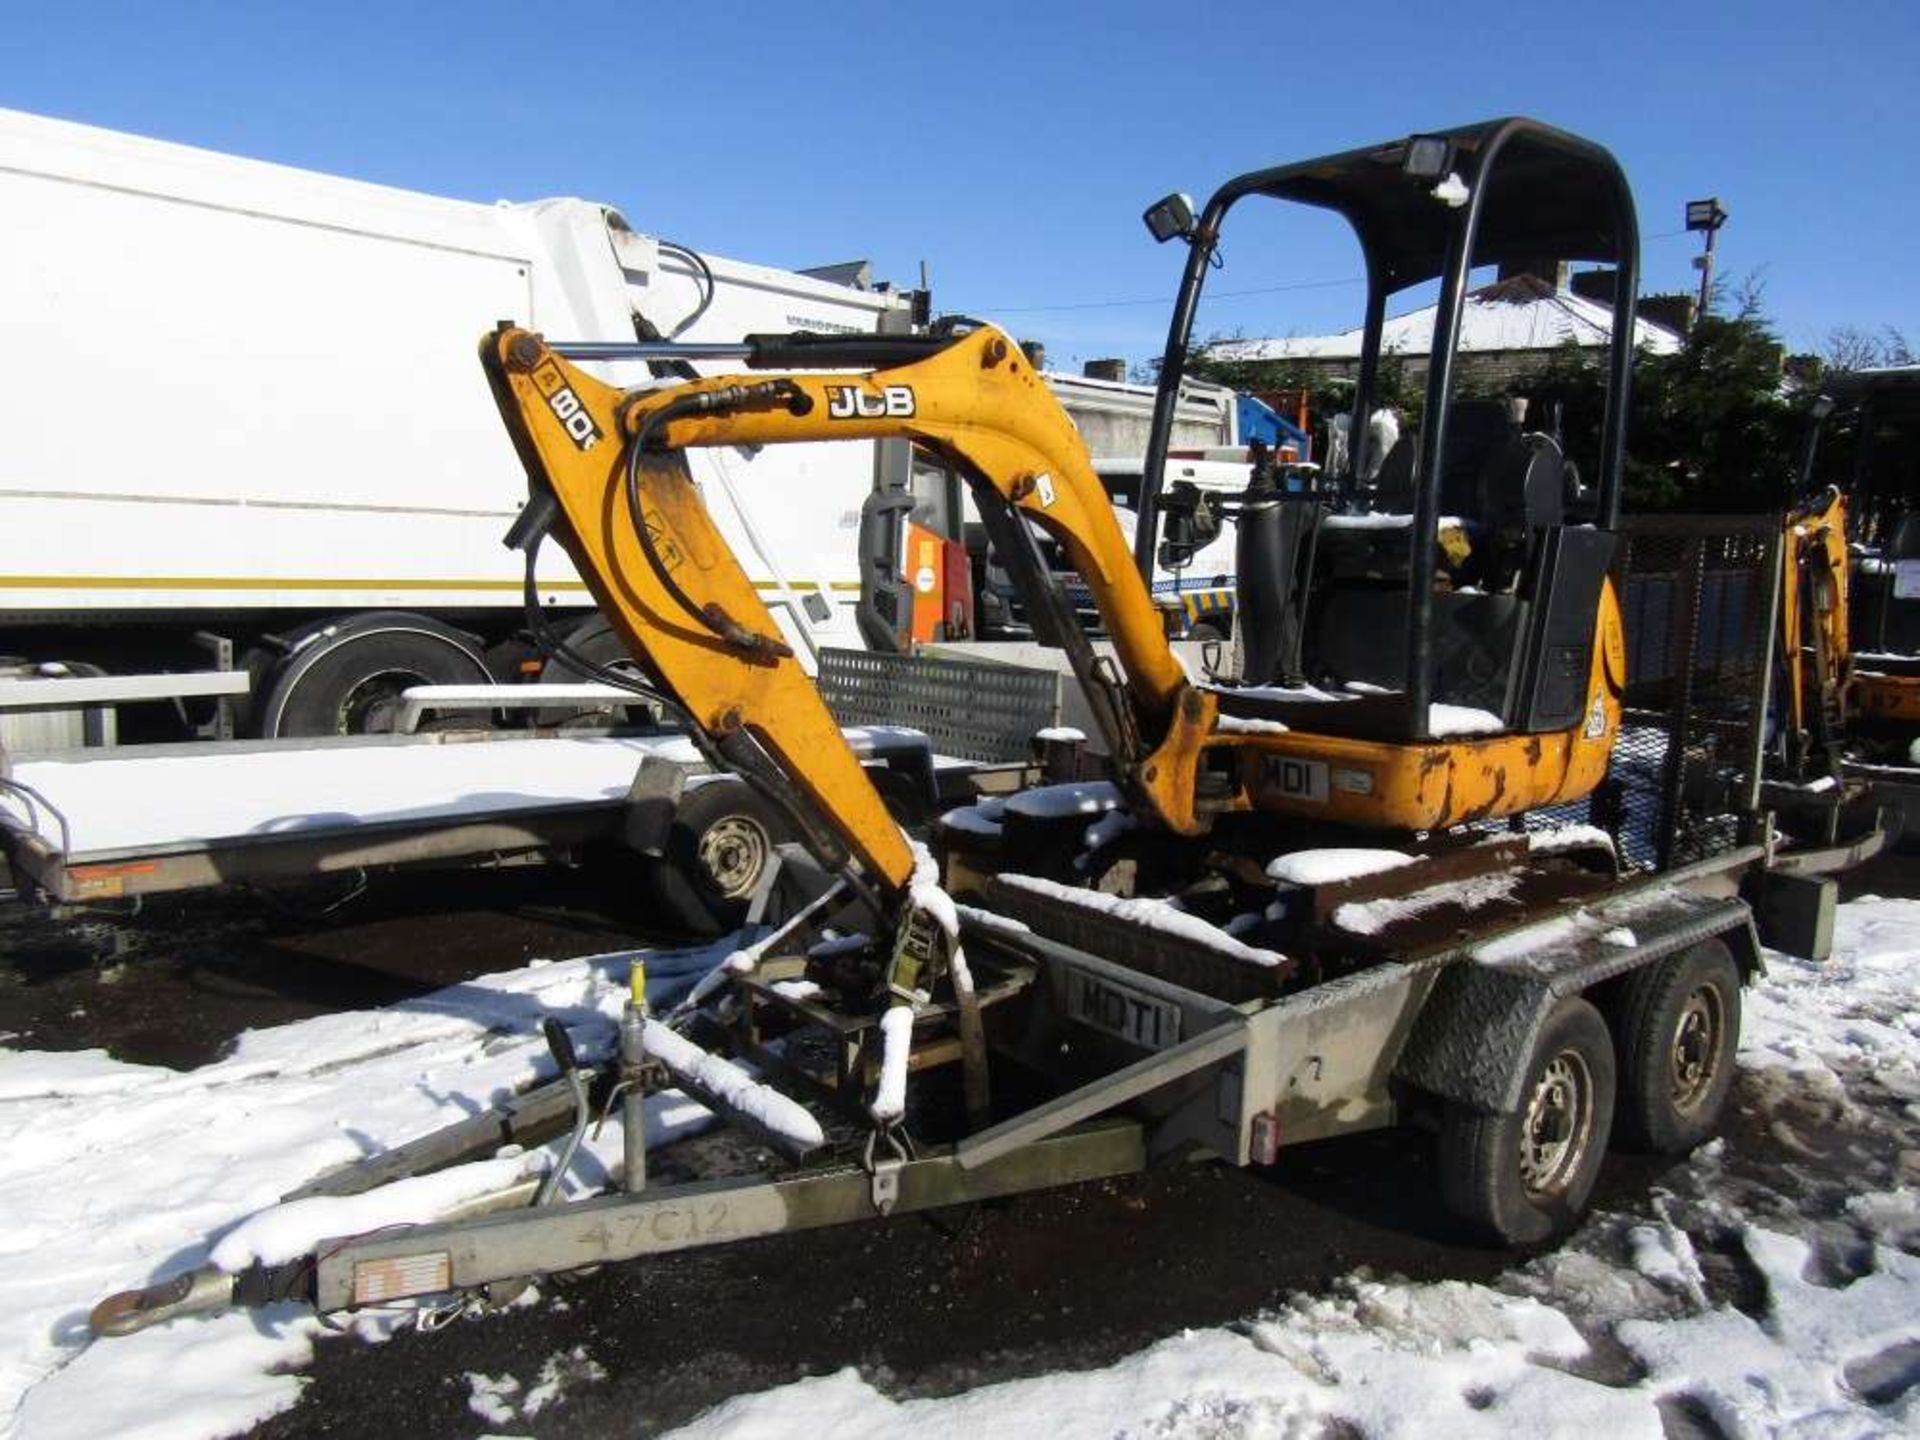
(966, 708)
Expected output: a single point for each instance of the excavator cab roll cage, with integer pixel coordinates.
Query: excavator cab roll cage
(1433, 207)
(1882, 407)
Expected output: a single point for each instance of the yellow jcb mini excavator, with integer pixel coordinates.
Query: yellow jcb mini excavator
(1814, 643)
(1883, 613)
(1850, 644)
(1536, 645)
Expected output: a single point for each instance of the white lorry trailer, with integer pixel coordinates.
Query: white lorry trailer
(217, 476)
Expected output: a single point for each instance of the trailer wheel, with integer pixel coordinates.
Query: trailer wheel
(345, 677)
(1524, 1178)
(719, 845)
(1679, 1029)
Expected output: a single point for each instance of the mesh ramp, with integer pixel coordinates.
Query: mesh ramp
(969, 709)
(1697, 600)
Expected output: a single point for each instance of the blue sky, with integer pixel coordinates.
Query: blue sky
(1012, 146)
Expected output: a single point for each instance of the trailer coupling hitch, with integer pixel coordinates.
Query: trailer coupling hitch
(205, 1291)
(195, 1292)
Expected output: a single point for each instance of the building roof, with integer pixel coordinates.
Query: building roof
(1521, 313)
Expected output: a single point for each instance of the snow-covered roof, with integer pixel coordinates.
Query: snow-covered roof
(1523, 313)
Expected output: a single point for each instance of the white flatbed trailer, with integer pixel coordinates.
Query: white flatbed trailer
(99, 825)
(103, 824)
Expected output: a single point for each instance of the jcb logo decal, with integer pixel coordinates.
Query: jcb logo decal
(567, 407)
(847, 402)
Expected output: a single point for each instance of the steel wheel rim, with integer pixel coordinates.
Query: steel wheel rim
(373, 704)
(733, 852)
(1557, 1128)
(1698, 1038)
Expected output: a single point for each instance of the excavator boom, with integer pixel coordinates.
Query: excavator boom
(638, 532)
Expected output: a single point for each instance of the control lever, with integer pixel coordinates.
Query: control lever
(560, 1044)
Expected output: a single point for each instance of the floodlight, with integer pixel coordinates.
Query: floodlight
(1427, 157)
(1170, 216)
(1705, 215)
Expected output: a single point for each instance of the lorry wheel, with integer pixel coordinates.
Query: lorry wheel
(1524, 1178)
(1679, 1028)
(346, 677)
(594, 640)
(719, 845)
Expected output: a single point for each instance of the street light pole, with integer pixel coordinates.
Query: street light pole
(1706, 216)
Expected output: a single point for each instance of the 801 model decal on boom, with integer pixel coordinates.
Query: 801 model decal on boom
(566, 406)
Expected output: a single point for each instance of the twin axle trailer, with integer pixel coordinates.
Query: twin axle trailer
(1103, 1060)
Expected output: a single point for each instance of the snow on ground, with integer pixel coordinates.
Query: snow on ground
(1755, 1301)
(501, 1400)
(117, 1175)
(1617, 1333)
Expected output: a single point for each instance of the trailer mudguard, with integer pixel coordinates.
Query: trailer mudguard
(1475, 1035)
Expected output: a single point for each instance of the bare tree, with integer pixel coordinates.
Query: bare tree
(1851, 348)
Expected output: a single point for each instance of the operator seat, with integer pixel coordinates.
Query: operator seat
(1479, 433)
(1900, 632)
(1504, 486)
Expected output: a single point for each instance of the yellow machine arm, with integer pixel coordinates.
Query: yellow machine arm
(1814, 619)
(639, 533)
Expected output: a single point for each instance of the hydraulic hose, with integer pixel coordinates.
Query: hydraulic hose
(731, 397)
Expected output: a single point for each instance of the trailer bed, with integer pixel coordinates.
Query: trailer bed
(106, 824)
(127, 822)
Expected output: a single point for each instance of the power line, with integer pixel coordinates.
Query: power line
(1162, 300)
(1208, 296)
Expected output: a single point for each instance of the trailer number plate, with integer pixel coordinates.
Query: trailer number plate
(399, 1276)
(1121, 1010)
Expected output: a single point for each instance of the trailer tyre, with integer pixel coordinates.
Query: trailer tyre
(720, 843)
(1679, 1028)
(348, 677)
(1524, 1178)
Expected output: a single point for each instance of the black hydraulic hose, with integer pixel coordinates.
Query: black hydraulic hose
(706, 402)
(645, 331)
(703, 278)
